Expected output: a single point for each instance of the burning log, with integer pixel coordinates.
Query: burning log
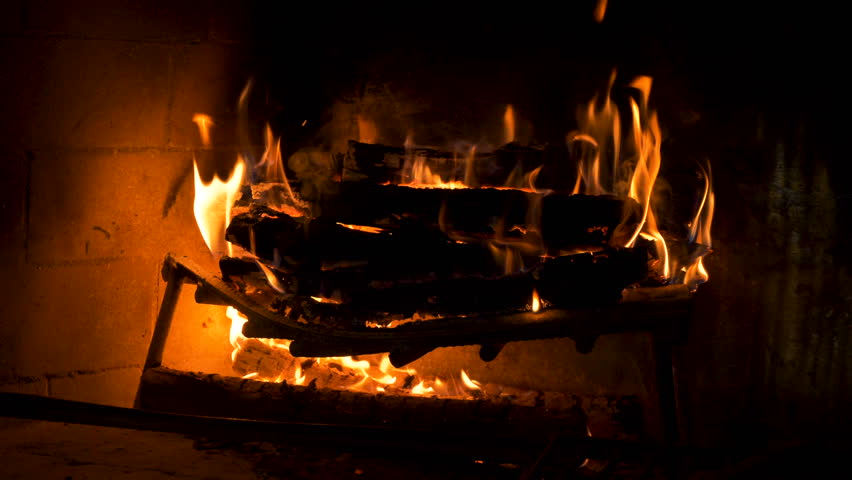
(395, 225)
(564, 220)
(164, 389)
(572, 281)
(320, 244)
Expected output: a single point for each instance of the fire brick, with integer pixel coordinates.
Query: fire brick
(105, 205)
(81, 317)
(86, 93)
(112, 387)
(158, 20)
(208, 79)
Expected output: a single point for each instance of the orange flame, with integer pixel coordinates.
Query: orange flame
(204, 123)
(509, 125)
(367, 131)
(417, 169)
(374, 376)
(536, 301)
(599, 134)
(633, 176)
(600, 11)
(362, 228)
(699, 232)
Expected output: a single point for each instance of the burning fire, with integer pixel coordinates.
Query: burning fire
(611, 162)
(509, 124)
(213, 200)
(373, 375)
(536, 302)
(627, 164)
(699, 232)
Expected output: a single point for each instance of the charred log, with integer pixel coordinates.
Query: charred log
(408, 224)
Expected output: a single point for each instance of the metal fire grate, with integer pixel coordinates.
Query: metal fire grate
(663, 312)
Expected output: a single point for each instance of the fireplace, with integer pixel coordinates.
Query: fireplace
(98, 143)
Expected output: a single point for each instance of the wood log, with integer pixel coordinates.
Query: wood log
(164, 389)
(563, 220)
(413, 221)
(575, 281)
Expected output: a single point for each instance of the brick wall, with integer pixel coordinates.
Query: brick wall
(96, 183)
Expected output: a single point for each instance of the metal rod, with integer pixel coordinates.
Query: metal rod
(174, 282)
(666, 390)
(487, 442)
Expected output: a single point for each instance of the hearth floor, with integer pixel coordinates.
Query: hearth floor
(50, 450)
(32, 449)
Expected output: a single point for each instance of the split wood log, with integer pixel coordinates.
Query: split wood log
(564, 220)
(574, 281)
(313, 245)
(407, 225)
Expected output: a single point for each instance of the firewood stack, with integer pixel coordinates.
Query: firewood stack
(373, 246)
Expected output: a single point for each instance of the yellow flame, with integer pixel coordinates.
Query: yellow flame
(422, 389)
(355, 364)
(422, 177)
(235, 336)
(204, 122)
(471, 384)
(212, 207)
(536, 302)
(509, 125)
(270, 277)
(298, 376)
(326, 300)
(373, 377)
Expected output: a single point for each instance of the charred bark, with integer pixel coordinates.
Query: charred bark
(430, 225)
